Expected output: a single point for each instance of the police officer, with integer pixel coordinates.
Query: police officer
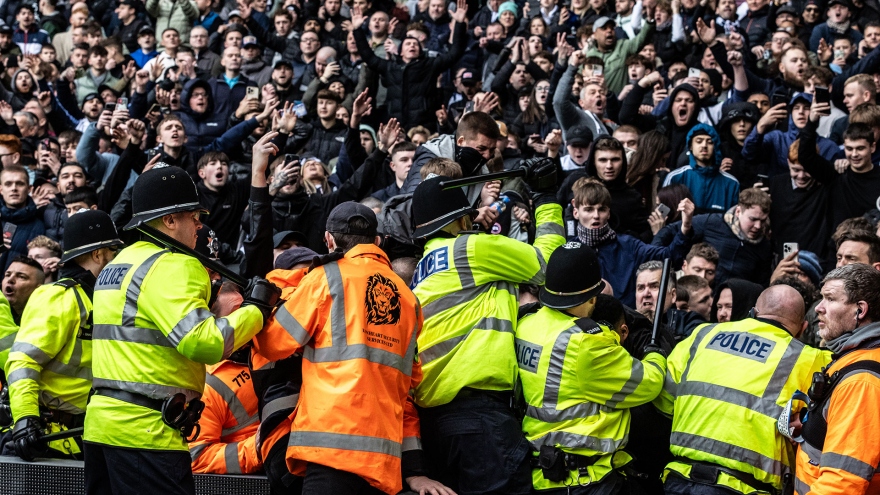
(467, 284)
(726, 386)
(579, 382)
(50, 365)
(153, 336)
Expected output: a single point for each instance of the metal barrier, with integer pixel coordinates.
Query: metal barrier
(62, 477)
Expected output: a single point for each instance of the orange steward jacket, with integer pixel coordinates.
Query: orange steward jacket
(227, 441)
(848, 462)
(356, 322)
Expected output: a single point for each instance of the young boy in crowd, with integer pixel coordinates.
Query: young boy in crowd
(620, 255)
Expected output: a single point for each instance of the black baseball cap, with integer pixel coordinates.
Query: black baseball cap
(284, 63)
(296, 255)
(146, 30)
(284, 235)
(91, 96)
(338, 221)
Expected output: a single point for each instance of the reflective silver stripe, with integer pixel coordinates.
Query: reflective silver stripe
(410, 357)
(242, 418)
(849, 464)
(357, 351)
(129, 311)
(83, 316)
(84, 373)
(575, 441)
(151, 390)
(187, 324)
(52, 402)
(31, 351)
(462, 263)
(800, 487)
(336, 287)
(293, 328)
(76, 354)
(453, 299)
(7, 341)
(131, 334)
(554, 370)
(228, 333)
(230, 455)
(539, 277)
(669, 384)
(726, 450)
(813, 453)
(441, 349)
(763, 405)
(636, 374)
(286, 403)
(195, 452)
(577, 411)
(548, 228)
(344, 442)
(22, 374)
(411, 443)
(693, 350)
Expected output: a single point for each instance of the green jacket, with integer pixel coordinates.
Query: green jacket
(177, 14)
(615, 66)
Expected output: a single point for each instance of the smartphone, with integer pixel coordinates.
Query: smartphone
(122, 101)
(155, 109)
(152, 152)
(253, 93)
(664, 210)
(788, 248)
(330, 60)
(598, 70)
(694, 72)
(767, 54)
(9, 230)
(822, 95)
(110, 107)
(780, 99)
(300, 109)
(839, 54)
(290, 157)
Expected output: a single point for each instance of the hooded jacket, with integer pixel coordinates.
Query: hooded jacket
(629, 115)
(745, 295)
(201, 128)
(27, 226)
(744, 170)
(629, 215)
(713, 190)
(440, 147)
(772, 148)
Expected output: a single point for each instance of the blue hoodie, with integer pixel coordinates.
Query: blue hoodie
(712, 189)
(772, 148)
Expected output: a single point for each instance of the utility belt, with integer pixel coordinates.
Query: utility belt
(176, 412)
(65, 419)
(555, 464)
(708, 473)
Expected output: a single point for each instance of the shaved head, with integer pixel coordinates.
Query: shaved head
(784, 304)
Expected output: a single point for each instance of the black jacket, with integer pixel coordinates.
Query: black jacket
(410, 84)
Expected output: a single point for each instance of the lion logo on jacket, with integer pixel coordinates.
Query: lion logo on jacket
(383, 301)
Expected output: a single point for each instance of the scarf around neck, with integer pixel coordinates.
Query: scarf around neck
(596, 237)
(839, 28)
(733, 222)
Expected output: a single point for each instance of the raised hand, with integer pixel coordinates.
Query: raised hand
(388, 134)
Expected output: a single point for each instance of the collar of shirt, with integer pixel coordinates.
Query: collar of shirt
(230, 82)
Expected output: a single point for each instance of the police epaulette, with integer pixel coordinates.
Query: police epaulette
(67, 283)
(589, 326)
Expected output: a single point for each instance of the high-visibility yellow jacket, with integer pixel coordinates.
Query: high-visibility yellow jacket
(153, 336)
(8, 329)
(227, 442)
(50, 363)
(467, 286)
(726, 385)
(579, 383)
(848, 462)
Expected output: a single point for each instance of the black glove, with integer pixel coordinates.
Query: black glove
(27, 438)
(262, 294)
(5, 409)
(541, 179)
(654, 348)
